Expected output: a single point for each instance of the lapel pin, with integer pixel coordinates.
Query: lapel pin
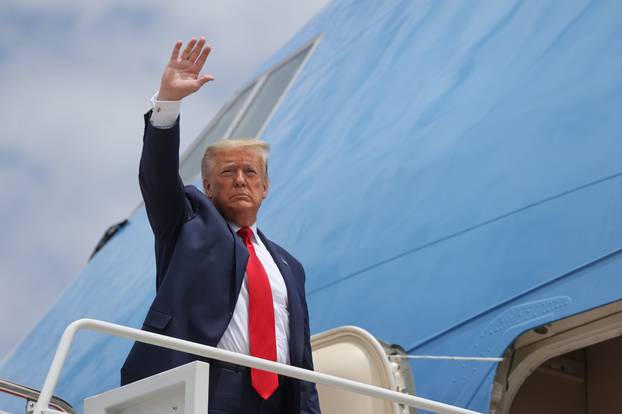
(284, 262)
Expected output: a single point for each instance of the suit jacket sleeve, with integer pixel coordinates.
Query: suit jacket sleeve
(162, 189)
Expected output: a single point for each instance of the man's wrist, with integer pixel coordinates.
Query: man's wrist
(165, 96)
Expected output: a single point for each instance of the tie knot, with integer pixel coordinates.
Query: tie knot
(247, 235)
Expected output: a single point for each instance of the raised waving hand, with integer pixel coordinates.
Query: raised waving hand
(182, 75)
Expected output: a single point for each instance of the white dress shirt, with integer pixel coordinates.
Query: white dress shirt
(235, 338)
(164, 113)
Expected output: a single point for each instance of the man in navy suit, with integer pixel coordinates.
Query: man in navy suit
(219, 280)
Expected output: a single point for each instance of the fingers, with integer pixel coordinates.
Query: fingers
(196, 50)
(203, 57)
(186, 54)
(176, 49)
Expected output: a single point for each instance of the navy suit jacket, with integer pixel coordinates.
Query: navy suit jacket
(200, 266)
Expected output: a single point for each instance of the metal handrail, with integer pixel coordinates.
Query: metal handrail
(31, 394)
(51, 380)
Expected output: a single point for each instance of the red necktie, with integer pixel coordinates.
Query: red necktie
(261, 330)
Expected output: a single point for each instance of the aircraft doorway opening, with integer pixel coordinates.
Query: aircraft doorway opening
(571, 366)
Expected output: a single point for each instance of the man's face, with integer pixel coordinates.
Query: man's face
(237, 184)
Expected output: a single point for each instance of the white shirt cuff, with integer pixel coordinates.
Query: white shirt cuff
(164, 113)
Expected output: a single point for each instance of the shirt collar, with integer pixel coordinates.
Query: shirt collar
(236, 227)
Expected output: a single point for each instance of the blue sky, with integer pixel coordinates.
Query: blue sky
(75, 78)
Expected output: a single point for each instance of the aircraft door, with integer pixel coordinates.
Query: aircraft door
(353, 353)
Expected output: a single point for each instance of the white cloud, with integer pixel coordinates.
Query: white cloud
(75, 79)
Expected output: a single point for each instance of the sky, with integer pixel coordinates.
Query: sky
(75, 79)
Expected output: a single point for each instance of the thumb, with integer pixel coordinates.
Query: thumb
(204, 79)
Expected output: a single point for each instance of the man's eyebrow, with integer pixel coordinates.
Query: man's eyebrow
(236, 163)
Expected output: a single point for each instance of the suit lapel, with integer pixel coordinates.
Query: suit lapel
(296, 322)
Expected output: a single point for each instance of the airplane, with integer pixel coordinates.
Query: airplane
(449, 175)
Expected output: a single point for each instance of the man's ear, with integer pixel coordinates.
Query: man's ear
(207, 188)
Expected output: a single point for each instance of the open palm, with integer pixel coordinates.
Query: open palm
(182, 75)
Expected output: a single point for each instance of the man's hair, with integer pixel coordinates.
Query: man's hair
(253, 144)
